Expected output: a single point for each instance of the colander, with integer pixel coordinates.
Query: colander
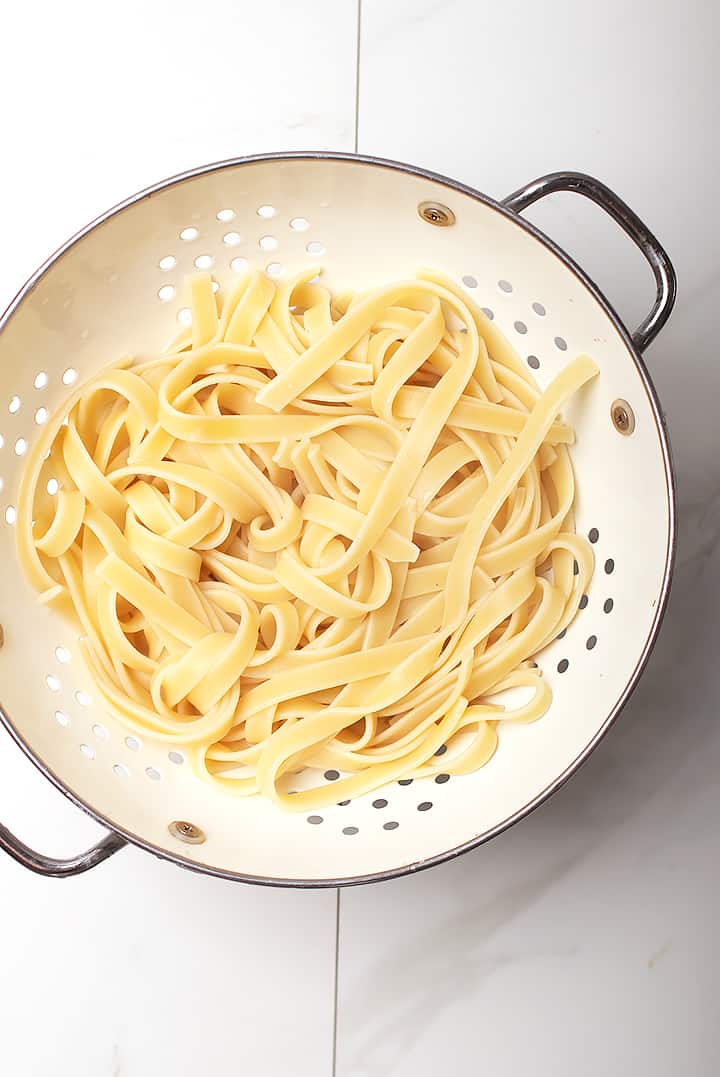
(116, 289)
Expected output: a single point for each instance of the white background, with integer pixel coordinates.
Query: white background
(585, 940)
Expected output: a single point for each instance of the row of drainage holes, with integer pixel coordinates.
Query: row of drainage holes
(315, 820)
(333, 775)
(41, 380)
(298, 224)
(381, 802)
(238, 265)
(591, 642)
(132, 742)
(175, 757)
(352, 830)
(608, 605)
(520, 327)
(609, 566)
(54, 685)
(190, 233)
(234, 239)
(118, 768)
(560, 342)
(122, 772)
(505, 286)
(563, 665)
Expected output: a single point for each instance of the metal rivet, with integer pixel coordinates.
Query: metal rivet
(623, 417)
(187, 832)
(437, 214)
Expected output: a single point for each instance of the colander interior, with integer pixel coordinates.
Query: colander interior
(118, 290)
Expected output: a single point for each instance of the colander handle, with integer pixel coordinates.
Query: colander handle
(621, 213)
(48, 865)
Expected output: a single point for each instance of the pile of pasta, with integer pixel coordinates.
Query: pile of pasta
(320, 531)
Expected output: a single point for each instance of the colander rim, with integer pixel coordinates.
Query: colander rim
(660, 609)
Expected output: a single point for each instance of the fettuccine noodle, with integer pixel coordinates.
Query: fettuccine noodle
(320, 531)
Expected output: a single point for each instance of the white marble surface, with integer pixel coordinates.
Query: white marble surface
(138, 968)
(100, 102)
(583, 941)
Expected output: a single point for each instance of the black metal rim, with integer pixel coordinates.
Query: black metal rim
(574, 766)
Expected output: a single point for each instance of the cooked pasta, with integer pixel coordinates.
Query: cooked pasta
(321, 531)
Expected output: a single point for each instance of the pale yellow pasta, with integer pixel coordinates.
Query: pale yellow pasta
(318, 532)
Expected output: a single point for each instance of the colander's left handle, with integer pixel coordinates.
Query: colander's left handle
(59, 869)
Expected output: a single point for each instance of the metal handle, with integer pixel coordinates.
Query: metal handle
(48, 865)
(621, 213)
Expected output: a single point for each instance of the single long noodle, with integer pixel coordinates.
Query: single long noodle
(318, 532)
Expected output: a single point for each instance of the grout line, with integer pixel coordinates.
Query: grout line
(357, 72)
(337, 892)
(335, 993)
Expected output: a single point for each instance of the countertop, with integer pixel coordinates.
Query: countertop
(584, 940)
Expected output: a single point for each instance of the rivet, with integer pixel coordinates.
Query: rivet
(437, 214)
(623, 417)
(186, 832)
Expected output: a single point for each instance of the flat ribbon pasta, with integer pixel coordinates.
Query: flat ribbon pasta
(320, 531)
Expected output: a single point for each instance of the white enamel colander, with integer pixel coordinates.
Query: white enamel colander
(116, 289)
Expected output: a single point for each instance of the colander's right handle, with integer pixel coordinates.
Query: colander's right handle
(621, 213)
(59, 869)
